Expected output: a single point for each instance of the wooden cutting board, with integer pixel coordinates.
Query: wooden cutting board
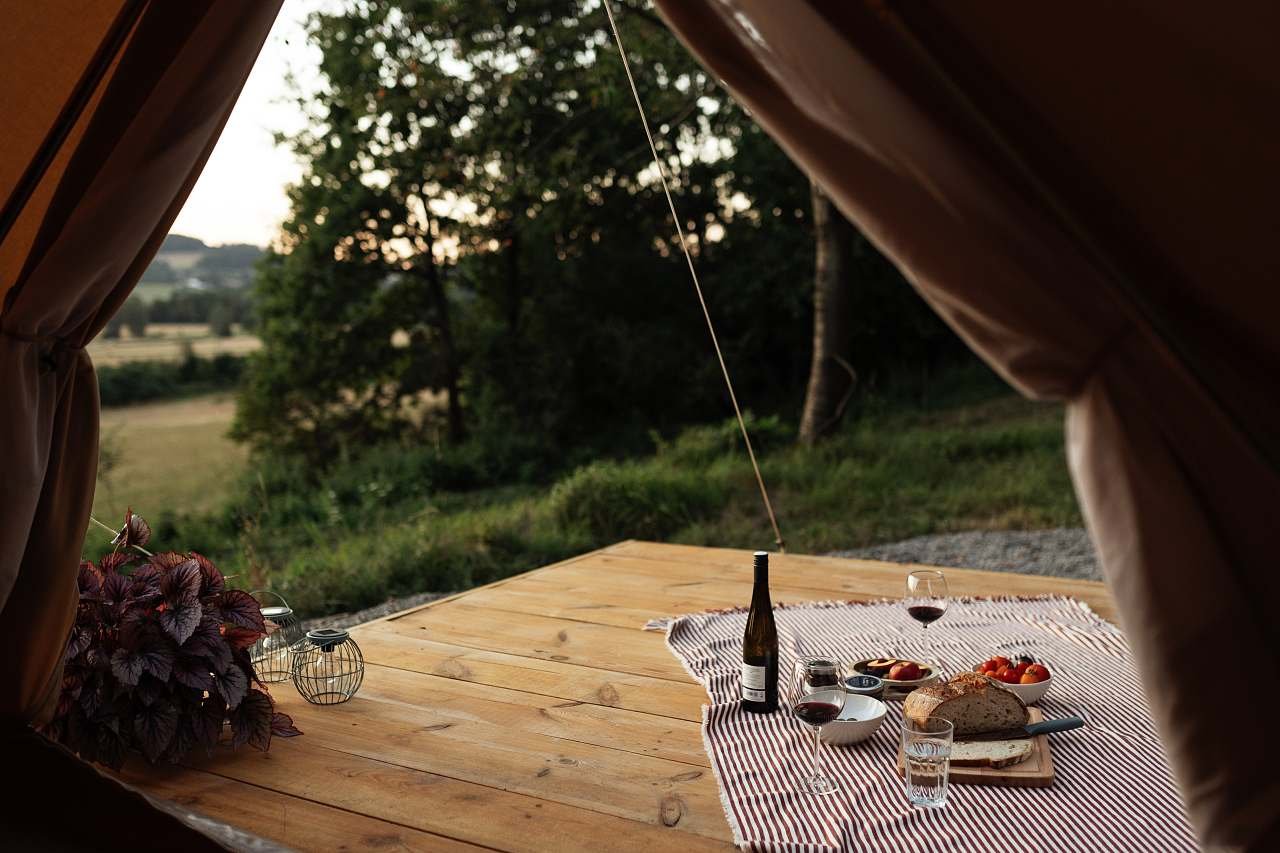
(1035, 772)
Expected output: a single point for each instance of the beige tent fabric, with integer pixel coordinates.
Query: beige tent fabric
(1086, 195)
(111, 109)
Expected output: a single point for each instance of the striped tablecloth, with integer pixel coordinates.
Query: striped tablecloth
(1113, 789)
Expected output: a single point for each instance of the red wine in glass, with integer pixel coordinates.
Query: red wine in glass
(816, 713)
(926, 600)
(926, 613)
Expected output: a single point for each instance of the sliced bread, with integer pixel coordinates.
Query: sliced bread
(972, 702)
(991, 753)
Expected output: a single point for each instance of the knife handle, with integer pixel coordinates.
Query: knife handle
(1063, 724)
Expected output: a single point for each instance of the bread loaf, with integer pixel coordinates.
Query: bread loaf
(972, 702)
(991, 753)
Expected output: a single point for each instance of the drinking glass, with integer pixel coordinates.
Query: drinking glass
(926, 601)
(926, 759)
(816, 693)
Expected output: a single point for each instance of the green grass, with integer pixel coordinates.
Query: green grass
(406, 520)
(167, 456)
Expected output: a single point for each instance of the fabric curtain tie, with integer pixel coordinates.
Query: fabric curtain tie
(52, 348)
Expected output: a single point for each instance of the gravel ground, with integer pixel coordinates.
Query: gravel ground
(1063, 552)
(391, 605)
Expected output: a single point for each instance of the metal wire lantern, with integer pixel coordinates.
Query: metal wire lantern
(328, 667)
(272, 655)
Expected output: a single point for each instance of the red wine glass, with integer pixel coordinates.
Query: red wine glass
(816, 693)
(926, 601)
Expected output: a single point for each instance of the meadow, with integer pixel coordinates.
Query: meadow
(169, 342)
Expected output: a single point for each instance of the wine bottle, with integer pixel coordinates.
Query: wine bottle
(760, 647)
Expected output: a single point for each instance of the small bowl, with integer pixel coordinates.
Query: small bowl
(858, 720)
(1030, 694)
(864, 685)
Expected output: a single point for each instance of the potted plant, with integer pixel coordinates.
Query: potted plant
(158, 659)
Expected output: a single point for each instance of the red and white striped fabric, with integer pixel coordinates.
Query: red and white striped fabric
(1113, 790)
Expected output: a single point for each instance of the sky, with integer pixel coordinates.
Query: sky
(240, 196)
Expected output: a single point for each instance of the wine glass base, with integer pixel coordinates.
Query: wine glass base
(818, 785)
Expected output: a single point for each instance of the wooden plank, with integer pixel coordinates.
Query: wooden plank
(557, 679)
(629, 650)
(481, 814)
(293, 822)
(557, 770)
(460, 704)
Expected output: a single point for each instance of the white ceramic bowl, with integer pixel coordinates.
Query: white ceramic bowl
(858, 721)
(1030, 694)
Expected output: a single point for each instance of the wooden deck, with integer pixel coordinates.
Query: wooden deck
(533, 713)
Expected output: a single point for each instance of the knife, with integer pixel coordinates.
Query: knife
(1044, 727)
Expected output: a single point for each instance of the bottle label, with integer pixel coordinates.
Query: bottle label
(753, 682)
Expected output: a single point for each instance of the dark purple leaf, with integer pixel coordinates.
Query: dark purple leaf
(282, 725)
(135, 533)
(184, 737)
(207, 642)
(232, 685)
(239, 608)
(164, 560)
(80, 639)
(154, 726)
(114, 593)
(211, 580)
(180, 611)
(240, 638)
(251, 722)
(193, 671)
(89, 581)
(111, 564)
(126, 667)
(209, 722)
(149, 690)
(110, 749)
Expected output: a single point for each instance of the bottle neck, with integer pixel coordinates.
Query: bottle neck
(762, 575)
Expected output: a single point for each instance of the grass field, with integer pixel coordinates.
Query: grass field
(172, 455)
(154, 291)
(164, 342)
(383, 524)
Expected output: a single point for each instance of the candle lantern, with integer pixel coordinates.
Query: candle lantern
(272, 655)
(328, 667)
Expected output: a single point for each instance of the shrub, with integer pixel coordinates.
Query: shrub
(158, 660)
(144, 381)
(613, 501)
(700, 445)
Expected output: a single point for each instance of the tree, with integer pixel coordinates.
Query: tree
(832, 379)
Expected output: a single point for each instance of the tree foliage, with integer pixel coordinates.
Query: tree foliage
(480, 223)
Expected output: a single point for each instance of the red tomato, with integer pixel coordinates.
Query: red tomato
(1036, 672)
(988, 667)
(1001, 660)
(1021, 668)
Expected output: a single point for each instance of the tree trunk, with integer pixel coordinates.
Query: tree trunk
(457, 429)
(831, 377)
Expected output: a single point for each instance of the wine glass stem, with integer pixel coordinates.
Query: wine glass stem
(817, 752)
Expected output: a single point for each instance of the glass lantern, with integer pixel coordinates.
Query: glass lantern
(328, 667)
(272, 655)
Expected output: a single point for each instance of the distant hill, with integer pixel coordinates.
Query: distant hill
(189, 261)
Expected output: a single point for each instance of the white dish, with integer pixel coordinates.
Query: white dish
(858, 720)
(1030, 694)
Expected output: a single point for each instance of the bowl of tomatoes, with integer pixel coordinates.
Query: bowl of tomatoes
(1028, 679)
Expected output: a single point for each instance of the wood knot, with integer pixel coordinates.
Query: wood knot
(686, 777)
(670, 810)
(607, 694)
